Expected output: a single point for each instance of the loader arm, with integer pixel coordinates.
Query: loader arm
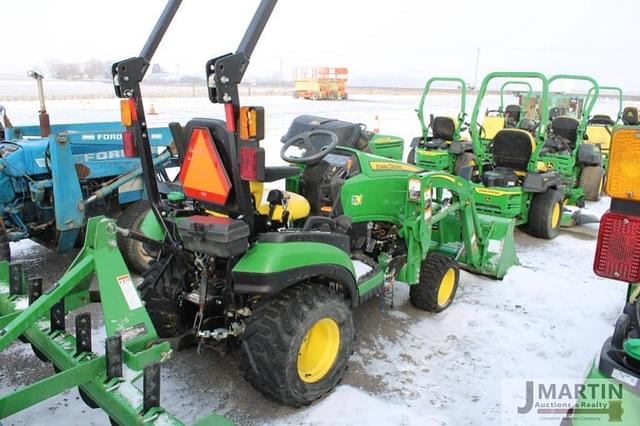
(448, 222)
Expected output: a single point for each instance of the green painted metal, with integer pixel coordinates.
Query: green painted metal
(515, 83)
(609, 89)
(175, 196)
(629, 405)
(150, 227)
(371, 283)
(461, 114)
(434, 159)
(481, 244)
(480, 145)
(632, 348)
(387, 146)
(267, 257)
(124, 315)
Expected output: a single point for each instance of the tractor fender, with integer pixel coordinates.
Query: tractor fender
(589, 155)
(270, 267)
(540, 182)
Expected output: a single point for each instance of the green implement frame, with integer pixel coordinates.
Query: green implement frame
(133, 353)
(441, 216)
(429, 153)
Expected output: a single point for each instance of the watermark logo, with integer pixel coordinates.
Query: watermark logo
(556, 401)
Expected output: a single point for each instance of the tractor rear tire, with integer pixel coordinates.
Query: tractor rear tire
(411, 156)
(464, 159)
(438, 283)
(134, 252)
(545, 214)
(5, 248)
(161, 291)
(297, 344)
(592, 180)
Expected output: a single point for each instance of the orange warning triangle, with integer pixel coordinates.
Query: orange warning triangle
(203, 175)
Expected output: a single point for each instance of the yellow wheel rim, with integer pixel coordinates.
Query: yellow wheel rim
(555, 216)
(445, 291)
(319, 350)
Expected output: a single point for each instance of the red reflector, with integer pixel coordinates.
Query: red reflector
(128, 144)
(248, 164)
(618, 249)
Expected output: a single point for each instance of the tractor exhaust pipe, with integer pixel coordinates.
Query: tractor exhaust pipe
(43, 115)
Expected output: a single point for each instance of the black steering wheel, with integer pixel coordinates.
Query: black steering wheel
(309, 152)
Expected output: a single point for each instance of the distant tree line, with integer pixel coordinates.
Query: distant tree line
(91, 69)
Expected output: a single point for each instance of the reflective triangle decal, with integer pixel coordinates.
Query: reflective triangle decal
(203, 175)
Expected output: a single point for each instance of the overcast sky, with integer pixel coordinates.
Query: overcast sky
(397, 43)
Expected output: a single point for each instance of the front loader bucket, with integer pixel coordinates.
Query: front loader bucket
(132, 357)
(499, 252)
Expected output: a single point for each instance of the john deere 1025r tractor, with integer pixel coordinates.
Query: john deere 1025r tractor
(529, 171)
(271, 274)
(279, 272)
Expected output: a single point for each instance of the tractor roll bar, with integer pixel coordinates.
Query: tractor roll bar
(157, 34)
(255, 28)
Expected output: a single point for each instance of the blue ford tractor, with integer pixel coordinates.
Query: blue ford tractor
(54, 177)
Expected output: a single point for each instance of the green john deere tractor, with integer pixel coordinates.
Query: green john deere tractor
(272, 274)
(277, 273)
(441, 146)
(530, 172)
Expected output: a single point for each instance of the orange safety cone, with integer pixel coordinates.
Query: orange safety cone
(152, 110)
(376, 124)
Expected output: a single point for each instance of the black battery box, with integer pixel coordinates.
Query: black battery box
(216, 236)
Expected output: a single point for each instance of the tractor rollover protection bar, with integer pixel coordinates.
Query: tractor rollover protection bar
(223, 88)
(132, 354)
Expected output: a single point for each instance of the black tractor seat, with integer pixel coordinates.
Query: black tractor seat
(297, 235)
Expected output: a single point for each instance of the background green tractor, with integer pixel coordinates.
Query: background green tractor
(528, 172)
(441, 147)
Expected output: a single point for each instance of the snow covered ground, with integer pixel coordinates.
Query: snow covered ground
(546, 319)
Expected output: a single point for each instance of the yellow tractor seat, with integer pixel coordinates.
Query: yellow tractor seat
(599, 135)
(295, 204)
(492, 125)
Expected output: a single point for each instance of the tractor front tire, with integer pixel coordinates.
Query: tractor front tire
(297, 344)
(411, 156)
(134, 252)
(592, 180)
(5, 248)
(545, 214)
(438, 283)
(464, 159)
